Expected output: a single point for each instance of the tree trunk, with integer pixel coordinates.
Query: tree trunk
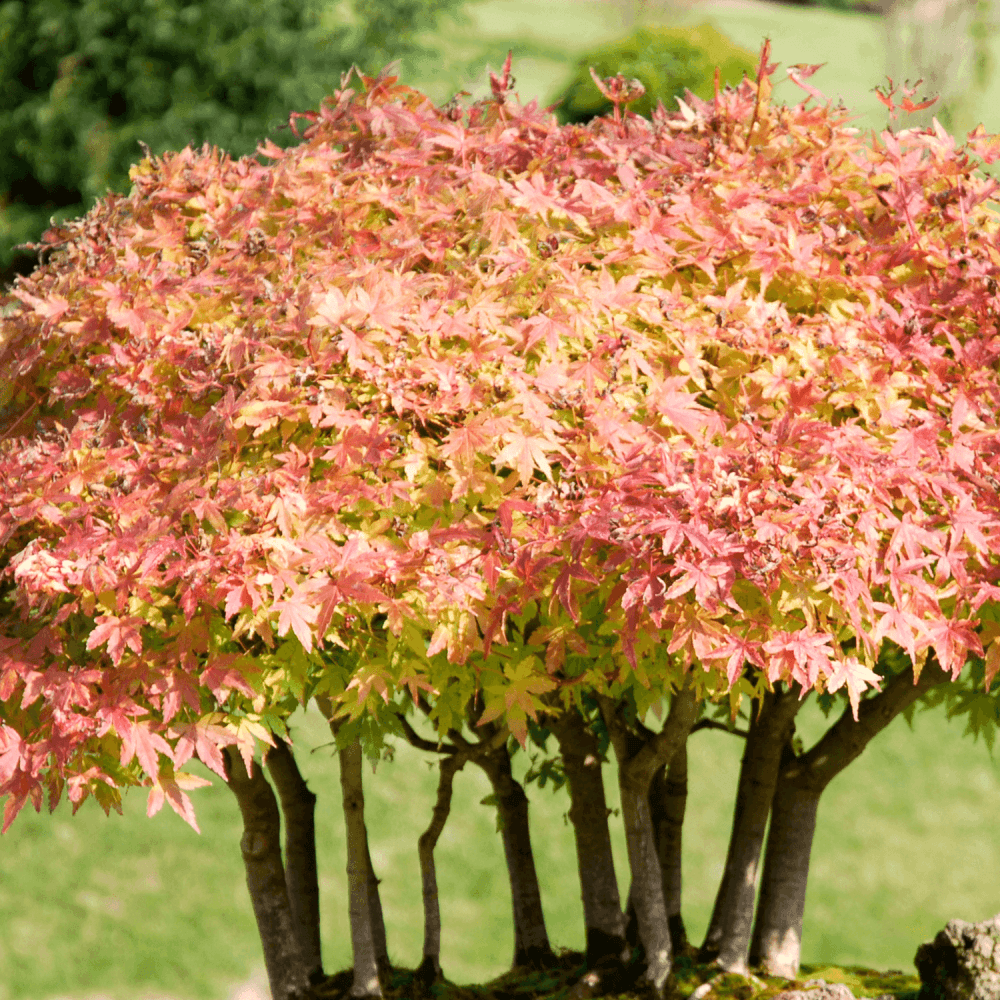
(638, 760)
(531, 942)
(287, 973)
(667, 804)
(588, 814)
(430, 968)
(298, 807)
(728, 937)
(378, 922)
(459, 751)
(366, 971)
(777, 933)
(364, 906)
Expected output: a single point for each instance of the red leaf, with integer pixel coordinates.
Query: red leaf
(118, 633)
(169, 787)
(297, 616)
(205, 739)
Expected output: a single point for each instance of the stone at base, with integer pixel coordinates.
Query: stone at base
(818, 990)
(962, 962)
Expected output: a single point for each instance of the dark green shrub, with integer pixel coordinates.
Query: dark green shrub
(665, 60)
(82, 82)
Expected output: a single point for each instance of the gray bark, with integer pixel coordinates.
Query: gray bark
(366, 971)
(298, 807)
(638, 761)
(771, 726)
(378, 923)
(531, 941)
(430, 968)
(667, 805)
(777, 935)
(363, 905)
(588, 814)
(457, 753)
(260, 845)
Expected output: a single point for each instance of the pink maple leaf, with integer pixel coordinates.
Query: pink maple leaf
(169, 787)
(118, 633)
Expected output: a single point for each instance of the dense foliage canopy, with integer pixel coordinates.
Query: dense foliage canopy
(450, 404)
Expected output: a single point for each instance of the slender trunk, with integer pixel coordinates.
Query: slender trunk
(287, 973)
(638, 761)
(667, 804)
(366, 971)
(378, 922)
(728, 937)
(632, 942)
(363, 904)
(777, 933)
(430, 967)
(298, 807)
(531, 941)
(459, 751)
(588, 814)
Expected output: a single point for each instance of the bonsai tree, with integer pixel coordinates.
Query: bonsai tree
(469, 406)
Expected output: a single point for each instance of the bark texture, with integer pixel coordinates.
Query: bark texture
(378, 922)
(298, 808)
(287, 973)
(667, 804)
(638, 760)
(457, 753)
(367, 981)
(777, 933)
(771, 727)
(367, 929)
(430, 968)
(588, 814)
(531, 941)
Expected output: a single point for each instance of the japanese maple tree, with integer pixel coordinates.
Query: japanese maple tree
(470, 405)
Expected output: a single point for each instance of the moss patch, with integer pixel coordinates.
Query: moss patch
(558, 983)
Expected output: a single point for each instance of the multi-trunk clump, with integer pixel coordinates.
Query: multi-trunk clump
(514, 423)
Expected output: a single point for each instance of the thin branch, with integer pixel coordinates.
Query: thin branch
(453, 734)
(713, 724)
(420, 743)
(470, 751)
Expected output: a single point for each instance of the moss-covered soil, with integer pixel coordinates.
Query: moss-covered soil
(564, 983)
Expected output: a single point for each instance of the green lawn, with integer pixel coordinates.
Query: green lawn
(130, 906)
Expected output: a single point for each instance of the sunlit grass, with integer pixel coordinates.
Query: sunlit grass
(130, 906)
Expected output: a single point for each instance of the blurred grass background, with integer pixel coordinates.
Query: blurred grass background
(130, 908)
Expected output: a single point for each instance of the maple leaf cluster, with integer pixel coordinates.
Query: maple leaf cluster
(564, 406)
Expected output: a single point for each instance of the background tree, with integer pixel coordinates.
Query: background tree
(82, 84)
